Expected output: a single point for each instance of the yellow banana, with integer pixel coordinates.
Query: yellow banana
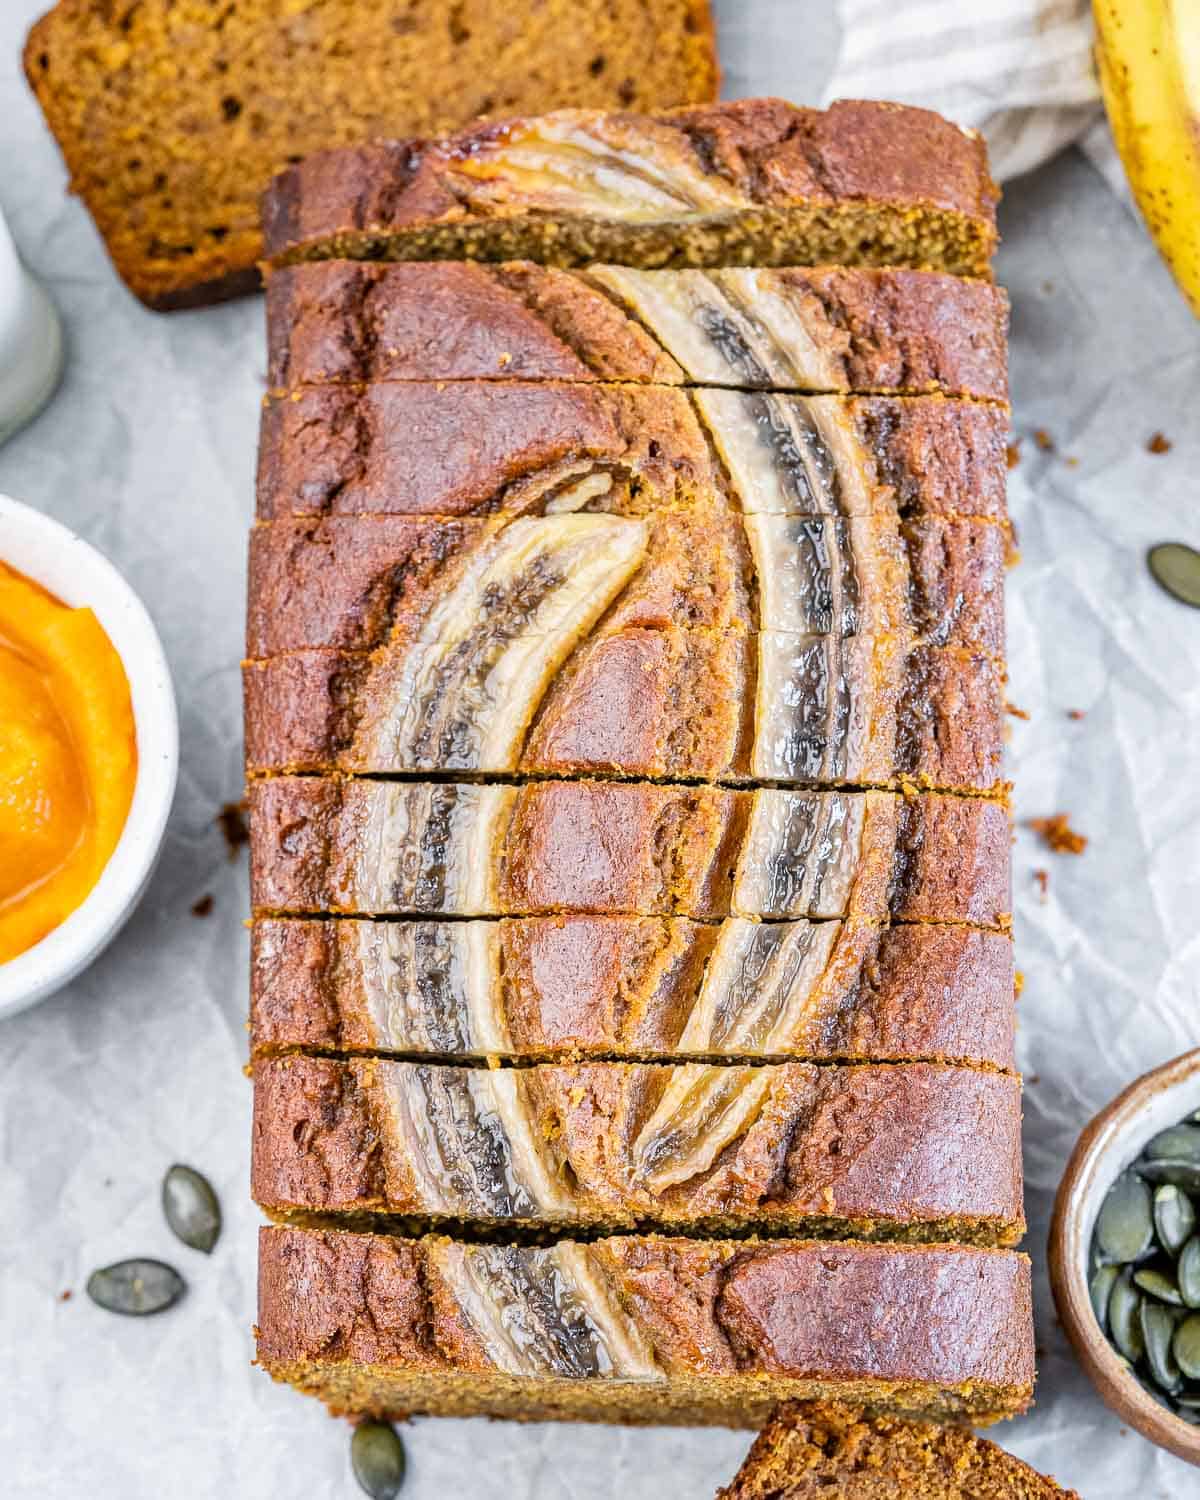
(1148, 54)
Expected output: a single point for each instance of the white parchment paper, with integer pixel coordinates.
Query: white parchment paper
(148, 450)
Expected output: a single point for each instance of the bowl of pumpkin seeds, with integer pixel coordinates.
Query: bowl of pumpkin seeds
(1125, 1254)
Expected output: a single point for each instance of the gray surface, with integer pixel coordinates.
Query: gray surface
(148, 450)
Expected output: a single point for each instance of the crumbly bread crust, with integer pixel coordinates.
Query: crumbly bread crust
(488, 447)
(715, 1332)
(914, 1151)
(158, 106)
(633, 986)
(860, 182)
(598, 847)
(826, 328)
(822, 1448)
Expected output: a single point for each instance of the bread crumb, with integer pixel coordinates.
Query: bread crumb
(232, 822)
(203, 907)
(1071, 461)
(1158, 443)
(1075, 713)
(1043, 439)
(1017, 713)
(1056, 832)
(1012, 454)
(66, 1296)
(1018, 983)
(1043, 880)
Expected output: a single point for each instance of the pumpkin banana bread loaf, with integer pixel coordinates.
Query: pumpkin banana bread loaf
(753, 182)
(518, 448)
(812, 1450)
(174, 114)
(643, 1329)
(914, 1151)
(537, 987)
(825, 328)
(557, 847)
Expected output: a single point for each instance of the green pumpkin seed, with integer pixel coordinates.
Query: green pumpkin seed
(377, 1458)
(1179, 1142)
(1101, 1289)
(1187, 1272)
(1174, 1217)
(1125, 1225)
(1186, 1346)
(1176, 568)
(1159, 1285)
(1124, 1308)
(1188, 1399)
(136, 1287)
(191, 1208)
(1175, 1170)
(1158, 1331)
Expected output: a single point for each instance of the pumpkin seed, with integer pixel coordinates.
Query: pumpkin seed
(1125, 1225)
(1158, 1331)
(377, 1458)
(136, 1287)
(1175, 1170)
(1174, 1217)
(1187, 1272)
(1101, 1289)
(1186, 1346)
(1159, 1285)
(1176, 568)
(191, 1207)
(1124, 1307)
(1178, 1141)
(1189, 1399)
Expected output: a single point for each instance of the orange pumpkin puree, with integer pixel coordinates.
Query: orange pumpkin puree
(68, 758)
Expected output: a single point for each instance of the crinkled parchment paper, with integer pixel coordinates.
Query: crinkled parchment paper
(148, 450)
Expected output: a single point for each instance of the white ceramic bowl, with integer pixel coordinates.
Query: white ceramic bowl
(46, 551)
(1107, 1146)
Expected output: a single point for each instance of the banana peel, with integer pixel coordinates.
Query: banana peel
(1148, 56)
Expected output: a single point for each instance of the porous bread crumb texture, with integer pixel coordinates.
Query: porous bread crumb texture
(173, 115)
(811, 1450)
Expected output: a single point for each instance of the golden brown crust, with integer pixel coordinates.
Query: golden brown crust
(635, 848)
(633, 986)
(389, 200)
(911, 1150)
(156, 107)
(818, 1448)
(476, 448)
(375, 1324)
(858, 329)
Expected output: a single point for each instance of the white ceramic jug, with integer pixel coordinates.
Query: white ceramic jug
(31, 342)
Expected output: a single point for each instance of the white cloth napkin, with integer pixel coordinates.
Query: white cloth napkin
(1020, 71)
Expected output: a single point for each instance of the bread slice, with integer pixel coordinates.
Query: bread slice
(822, 329)
(634, 848)
(827, 1152)
(755, 182)
(653, 987)
(174, 114)
(520, 447)
(811, 1450)
(643, 1329)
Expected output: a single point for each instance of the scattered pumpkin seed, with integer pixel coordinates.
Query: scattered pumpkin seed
(1176, 568)
(1186, 1346)
(1158, 1332)
(1158, 1284)
(191, 1207)
(1187, 1272)
(1189, 1399)
(1101, 1290)
(1175, 1170)
(377, 1458)
(1178, 1142)
(136, 1287)
(1125, 1225)
(1124, 1307)
(1174, 1217)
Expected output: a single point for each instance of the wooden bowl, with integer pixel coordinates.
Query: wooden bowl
(1107, 1146)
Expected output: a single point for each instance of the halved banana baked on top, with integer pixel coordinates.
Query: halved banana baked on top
(751, 182)
(644, 1329)
(864, 1151)
(540, 987)
(457, 849)
(827, 328)
(521, 447)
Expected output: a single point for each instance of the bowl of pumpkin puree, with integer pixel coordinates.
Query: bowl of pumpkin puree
(89, 746)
